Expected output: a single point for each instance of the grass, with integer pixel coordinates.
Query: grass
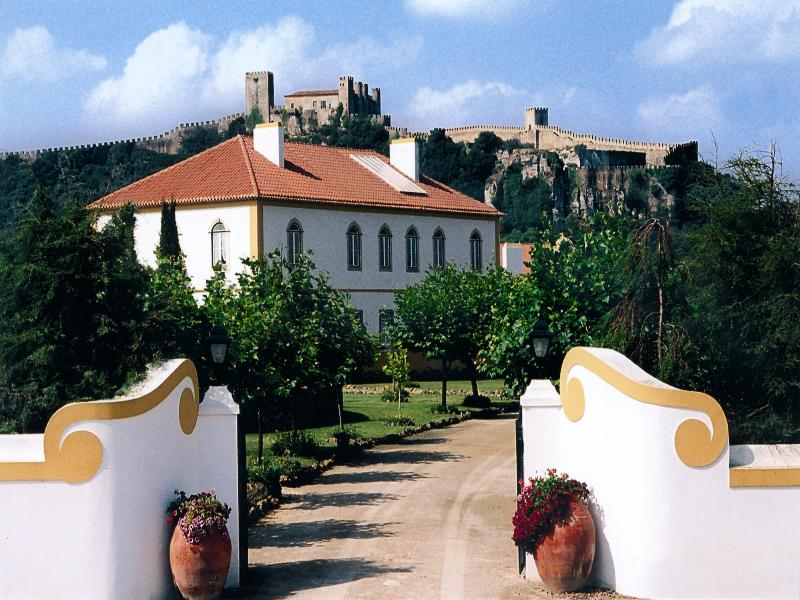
(365, 413)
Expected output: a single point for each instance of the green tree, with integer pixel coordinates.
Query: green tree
(168, 245)
(398, 368)
(197, 139)
(444, 316)
(254, 118)
(72, 304)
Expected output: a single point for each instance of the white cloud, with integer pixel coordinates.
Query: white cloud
(463, 8)
(681, 116)
(31, 54)
(718, 31)
(179, 73)
(465, 102)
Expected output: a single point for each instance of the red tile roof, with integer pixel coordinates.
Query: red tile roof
(333, 92)
(233, 170)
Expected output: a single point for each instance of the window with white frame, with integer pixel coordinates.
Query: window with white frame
(438, 248)
(475, 251)
(219, 243)
(385, 323)
(385, 248)
(412, 250)
(294, 241)
(354, 247)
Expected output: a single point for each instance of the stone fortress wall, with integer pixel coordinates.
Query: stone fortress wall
(301, 108)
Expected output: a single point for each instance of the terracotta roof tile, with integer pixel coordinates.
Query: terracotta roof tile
(333, 92)
(233, 170)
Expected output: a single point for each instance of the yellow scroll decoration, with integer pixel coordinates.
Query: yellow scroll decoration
(78, 457)
(695, 444)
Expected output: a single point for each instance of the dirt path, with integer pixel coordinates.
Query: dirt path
(427, 518)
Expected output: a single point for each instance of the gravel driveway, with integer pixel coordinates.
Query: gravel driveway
(427, 518)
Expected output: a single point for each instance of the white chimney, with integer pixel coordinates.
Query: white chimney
(404, 156)
(268, 141)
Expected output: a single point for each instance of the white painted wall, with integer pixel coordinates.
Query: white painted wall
(107, 537)
(194, 231)
(665, 530)
(324, 233)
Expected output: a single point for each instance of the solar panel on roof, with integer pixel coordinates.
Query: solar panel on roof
(388, 173)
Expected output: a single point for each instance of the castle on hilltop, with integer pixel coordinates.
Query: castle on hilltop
(304, 110)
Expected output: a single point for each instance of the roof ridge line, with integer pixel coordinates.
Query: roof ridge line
(250, 170)
(165, 169)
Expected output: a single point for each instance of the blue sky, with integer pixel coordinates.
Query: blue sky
(77, 72)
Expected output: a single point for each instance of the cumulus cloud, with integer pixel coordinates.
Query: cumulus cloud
(681, 116)
(179, 73)
(32, 54)
(711, 31)
(464, 102)
(463, 8)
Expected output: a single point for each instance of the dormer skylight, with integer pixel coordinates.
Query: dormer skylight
(388, 173)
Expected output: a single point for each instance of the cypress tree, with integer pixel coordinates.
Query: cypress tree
(168, 246)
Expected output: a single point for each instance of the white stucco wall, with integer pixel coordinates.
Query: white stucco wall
(665, 530)
(107, 537)
(324, 233)
(194, 232)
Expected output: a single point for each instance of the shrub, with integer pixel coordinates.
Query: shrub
(399, 421)
(388, 396)
(266, 474)
(477, 401)
(296, 442)
(438, 409)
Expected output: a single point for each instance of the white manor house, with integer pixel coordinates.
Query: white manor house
(374, 225)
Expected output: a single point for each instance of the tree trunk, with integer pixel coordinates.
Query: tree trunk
(260, 438)
(340, 406)
(474, 379)
(444, 383)
(660, 324)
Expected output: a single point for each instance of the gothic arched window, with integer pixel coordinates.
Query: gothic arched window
(219, 243)
(475, 251)
(412, 249)
(354, 247)
(294, 241)
(385, 248)
(438, 248)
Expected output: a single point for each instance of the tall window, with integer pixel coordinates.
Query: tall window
(294, 241)
(219, 244)
(385, 248)
(412, 250)
(354, 247)
(385, 322)
(438, 248)
(475, 255)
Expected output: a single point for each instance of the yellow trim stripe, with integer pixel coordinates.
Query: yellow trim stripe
(256, 230)
(79, 456)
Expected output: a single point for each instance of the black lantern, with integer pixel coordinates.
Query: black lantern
(218, 342)
(541, 338)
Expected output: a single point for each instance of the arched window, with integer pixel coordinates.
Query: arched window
(354, 247)
(219, 243)
(294, 241)
(475, 251)
(385, 248)
(412, 250)
(438, 248)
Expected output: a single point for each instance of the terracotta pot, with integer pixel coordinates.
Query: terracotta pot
(199, 570)
(564, 558)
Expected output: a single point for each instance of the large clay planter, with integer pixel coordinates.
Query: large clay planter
(564, 559)
(199, 570)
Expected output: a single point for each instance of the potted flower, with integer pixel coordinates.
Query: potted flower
(200, 548)
(554, 524)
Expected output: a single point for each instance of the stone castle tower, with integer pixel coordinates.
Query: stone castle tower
(259, 90)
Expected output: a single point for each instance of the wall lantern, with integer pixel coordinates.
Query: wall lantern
(218, 341)
(541, 338)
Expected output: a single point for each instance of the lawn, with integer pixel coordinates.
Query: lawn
(365, 413)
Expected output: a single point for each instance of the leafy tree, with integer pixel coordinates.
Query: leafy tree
(399, 370)
(574, 280)
(445, 317)
(294, 337)
(72, 304)
(465, 169)
(254, 118)
(236, 127)
(197, 139)
(527, 204)
(353, 131)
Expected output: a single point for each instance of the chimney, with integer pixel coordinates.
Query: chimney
(404, 156)
(268, 141)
